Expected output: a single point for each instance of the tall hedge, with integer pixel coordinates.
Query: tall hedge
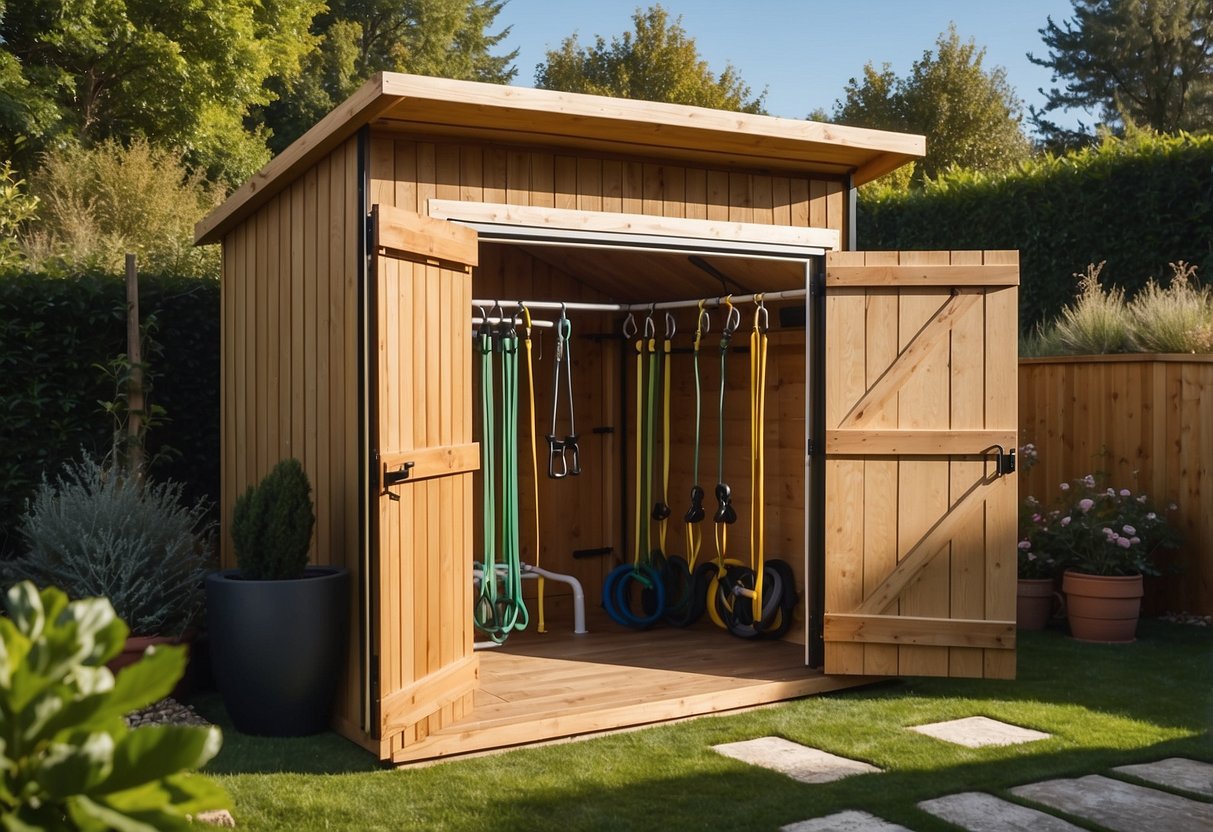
(1138, 204)
(57, 335)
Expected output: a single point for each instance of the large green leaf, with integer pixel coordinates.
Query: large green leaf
(65, 770)
(148, 680)
(156, 751)
(89, 814)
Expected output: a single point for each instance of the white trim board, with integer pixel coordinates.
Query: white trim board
(600, 229)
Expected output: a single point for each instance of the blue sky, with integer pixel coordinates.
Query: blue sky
(804, 52)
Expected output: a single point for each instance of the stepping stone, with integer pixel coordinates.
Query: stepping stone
(1176, 773)
(979, 731)
(808, 765)
(1120, 806)
(850, 821)
(980, 812)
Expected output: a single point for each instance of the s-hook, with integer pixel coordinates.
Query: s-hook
(559, 450)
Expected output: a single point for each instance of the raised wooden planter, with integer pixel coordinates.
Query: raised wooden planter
(1147, 422)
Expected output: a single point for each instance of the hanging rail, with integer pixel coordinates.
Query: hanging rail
(517, 321)
(769, 297)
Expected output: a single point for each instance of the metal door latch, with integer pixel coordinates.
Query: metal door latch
(396, 477)
(1004, 461)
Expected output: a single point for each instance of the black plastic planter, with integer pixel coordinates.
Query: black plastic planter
(277, 648)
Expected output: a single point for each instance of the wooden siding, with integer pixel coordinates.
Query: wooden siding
(290, 364)
(920, 539)
(1144, 421)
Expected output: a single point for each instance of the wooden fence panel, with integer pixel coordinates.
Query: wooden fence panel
(1139, 420)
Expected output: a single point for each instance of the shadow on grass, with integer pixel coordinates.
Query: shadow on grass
(326, 753)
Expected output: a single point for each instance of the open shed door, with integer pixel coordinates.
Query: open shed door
(920, 517)
(421, 669)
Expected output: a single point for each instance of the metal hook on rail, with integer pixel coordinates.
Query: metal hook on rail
(762, 318)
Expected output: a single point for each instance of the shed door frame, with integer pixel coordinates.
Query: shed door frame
(813, 259)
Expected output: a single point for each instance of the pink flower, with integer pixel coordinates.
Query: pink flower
(1089, 480)
(1111, 492)
(1151, 516)
(1129, 530)
(1036, 518)
(1065, 521)
(1086, 503)
(1124, 492)
(1065, 486)
(1142, 499)
(1031, 556)
(1135, 540)
(1025, 544)
(1123, 542)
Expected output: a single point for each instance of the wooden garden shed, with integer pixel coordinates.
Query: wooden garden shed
(350, 267)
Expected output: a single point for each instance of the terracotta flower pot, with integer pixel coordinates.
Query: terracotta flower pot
(1034, 602)
(1102, 608)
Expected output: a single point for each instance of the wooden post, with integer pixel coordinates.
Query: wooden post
(134, 388)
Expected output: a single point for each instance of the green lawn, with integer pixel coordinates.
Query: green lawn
(1104, 706)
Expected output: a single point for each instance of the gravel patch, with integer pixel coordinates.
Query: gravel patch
(165, 712)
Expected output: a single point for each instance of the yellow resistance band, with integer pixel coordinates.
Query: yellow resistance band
(636, 551)
(758, 382)
(530, 387)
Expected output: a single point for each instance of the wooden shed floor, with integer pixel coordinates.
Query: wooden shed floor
(543, 687)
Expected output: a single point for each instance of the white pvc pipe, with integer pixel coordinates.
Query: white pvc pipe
(579, 629)
(534, 573)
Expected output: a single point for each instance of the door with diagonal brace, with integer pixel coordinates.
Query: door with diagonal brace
(920, 423)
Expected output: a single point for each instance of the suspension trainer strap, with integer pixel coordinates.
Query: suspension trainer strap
(661, 509)
(639, 455)
(530, 388)
(695, 513)
(559, 450)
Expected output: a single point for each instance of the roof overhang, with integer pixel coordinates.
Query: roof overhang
(442, 107)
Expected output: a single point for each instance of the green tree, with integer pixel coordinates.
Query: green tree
(971, 117)
(656, 62)
(181, 73)
(1145, 62)
(357, 38)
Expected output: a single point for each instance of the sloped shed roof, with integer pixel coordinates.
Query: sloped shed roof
(439, 106)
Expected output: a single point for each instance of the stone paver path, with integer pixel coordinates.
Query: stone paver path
(808, 765)
(1176, 773)
(1120, 806)
(980, 812)
(979, 731)
(844, 822)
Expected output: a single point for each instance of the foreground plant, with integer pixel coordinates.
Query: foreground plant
(67, 759)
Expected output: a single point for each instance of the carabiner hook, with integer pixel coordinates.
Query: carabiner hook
(486, 326)
(732, 318)
(762, 319)
(525, 314)
(671, 326)
(650, 328)
(629, 327)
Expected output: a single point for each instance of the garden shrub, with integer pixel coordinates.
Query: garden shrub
(272, 524)
(99, 203)
(17, 207)
(56, 337)
(1098, 320)
(1176, 319)
(95, 531)
(1138, 203)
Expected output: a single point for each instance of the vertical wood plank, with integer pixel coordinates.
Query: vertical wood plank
(923, 483)
(968, 403)
(880, 482)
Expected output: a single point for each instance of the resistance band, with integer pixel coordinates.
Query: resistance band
(496, 613)
(530, 388)
(769, 586)
(725, 514)
(616, 589)
(686, 585)
(559, 449)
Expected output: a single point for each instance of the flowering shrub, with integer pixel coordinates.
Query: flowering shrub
(1099, 531)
